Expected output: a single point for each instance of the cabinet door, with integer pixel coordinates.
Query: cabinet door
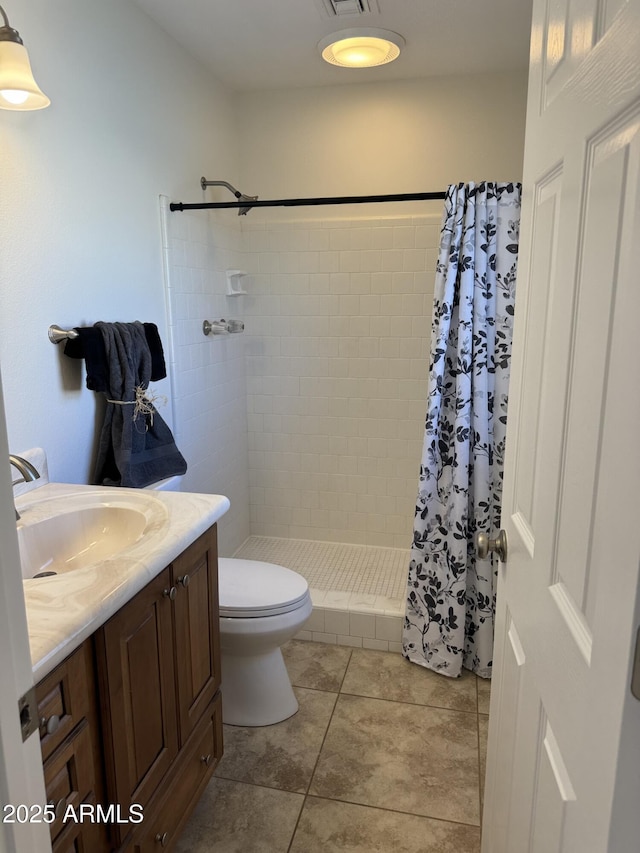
(195, 575)
(135, 657)
(172, 806)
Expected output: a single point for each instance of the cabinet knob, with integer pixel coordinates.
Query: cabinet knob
(50, 724)
(170, 593)
(206, 759)
(163, 839)
(58, 807)
(184, 581)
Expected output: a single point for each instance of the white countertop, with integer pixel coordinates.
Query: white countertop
(62, 611)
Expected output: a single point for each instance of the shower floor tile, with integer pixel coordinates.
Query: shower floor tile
(335, 566)
(354, 579)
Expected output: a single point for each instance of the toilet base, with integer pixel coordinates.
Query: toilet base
(256, 689)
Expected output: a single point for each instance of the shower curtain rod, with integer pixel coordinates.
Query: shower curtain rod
(300, 202)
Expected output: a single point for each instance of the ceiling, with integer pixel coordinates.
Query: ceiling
(271, 44)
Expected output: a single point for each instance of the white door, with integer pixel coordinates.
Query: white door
(564, 733)
(21, 777)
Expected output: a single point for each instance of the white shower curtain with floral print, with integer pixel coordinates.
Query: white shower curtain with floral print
(451, 593)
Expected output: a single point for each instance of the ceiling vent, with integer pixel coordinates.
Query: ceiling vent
(345, 8)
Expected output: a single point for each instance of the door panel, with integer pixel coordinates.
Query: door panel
(553, 794)
(562, 717)
(607, 169)
(568, 33)
(545, 229)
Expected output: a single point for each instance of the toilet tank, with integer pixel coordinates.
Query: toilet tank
(170, 484)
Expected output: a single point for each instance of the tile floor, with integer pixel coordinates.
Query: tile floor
(382, 757)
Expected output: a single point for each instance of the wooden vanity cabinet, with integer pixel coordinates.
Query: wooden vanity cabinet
(159, 674)
(71, 751)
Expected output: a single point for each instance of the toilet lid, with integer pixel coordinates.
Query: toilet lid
(249, 588)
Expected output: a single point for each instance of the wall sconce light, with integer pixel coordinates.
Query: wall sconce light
(18, 89)
(364, 47)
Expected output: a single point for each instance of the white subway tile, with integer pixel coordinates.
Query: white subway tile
(348, 640)
(371, 260)
(304, 635)
(378, 645)
(393, 259)
(382, 237)
(349, 305)
(362, 625)
(389, 628)
(315, 622)
(319, 240)
(336, 621)
(404, 237)
(414, 260)
(328, 262)
(321, 637)
(340, 282)
(350, 261)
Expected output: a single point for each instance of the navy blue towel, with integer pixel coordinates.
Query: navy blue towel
(89, 345)
(136, 447)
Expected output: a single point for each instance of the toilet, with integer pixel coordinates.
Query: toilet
(169, 484)
(262, 605)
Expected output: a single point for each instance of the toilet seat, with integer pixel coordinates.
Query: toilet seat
(252, 589)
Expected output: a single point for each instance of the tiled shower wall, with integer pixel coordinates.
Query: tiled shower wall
(207, 373)
(338, 329)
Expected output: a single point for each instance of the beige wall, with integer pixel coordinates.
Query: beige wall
(132, 116)
(408, 136)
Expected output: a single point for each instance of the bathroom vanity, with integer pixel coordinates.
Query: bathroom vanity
(131, 719)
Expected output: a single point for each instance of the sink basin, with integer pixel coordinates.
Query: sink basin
(61, 535)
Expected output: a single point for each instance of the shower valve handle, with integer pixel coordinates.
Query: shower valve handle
(485, 545)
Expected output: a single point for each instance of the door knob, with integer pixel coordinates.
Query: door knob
(484, 545)
(50, 724)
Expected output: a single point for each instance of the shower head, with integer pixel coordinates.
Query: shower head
(242, 211)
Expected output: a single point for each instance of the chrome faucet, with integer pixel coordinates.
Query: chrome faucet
(28, 471)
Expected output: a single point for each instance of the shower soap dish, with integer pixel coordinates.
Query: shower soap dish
(233, 282)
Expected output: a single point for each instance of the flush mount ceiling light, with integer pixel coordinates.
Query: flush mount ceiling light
(364, 47)
(18, 89)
